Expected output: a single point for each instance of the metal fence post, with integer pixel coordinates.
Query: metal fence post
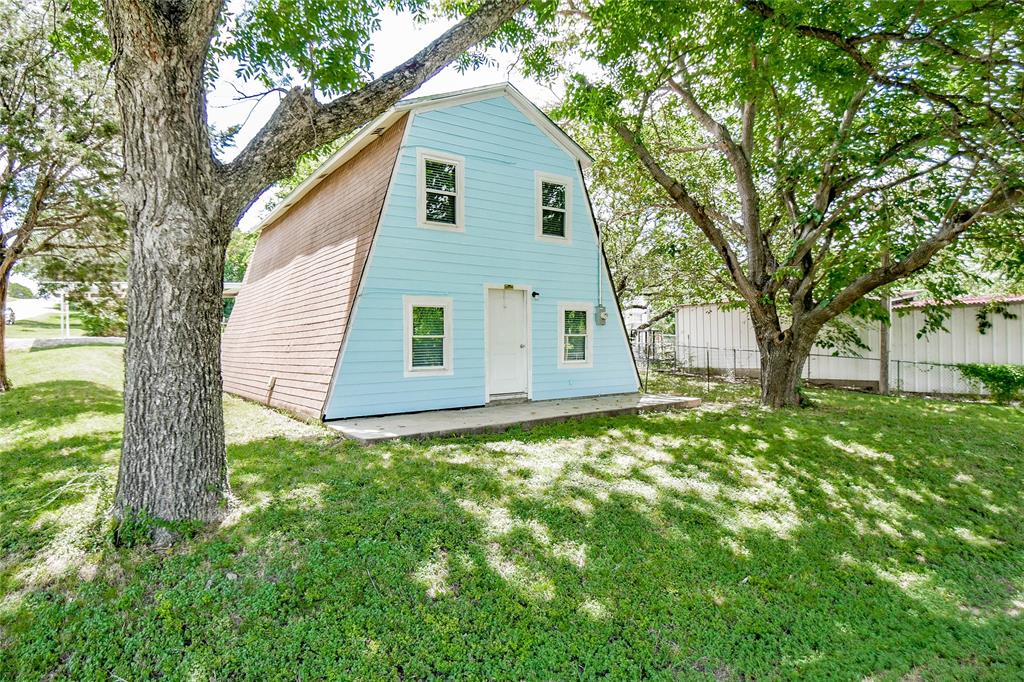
(647, 368)
(707, 368)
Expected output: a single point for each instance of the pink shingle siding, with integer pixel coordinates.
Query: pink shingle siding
(289, 318)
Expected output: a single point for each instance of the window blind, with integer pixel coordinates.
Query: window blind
(441, 188)
(552, 209)
(427, 336)
(575, 332)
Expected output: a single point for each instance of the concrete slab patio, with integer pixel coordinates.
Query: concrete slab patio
(501, 417)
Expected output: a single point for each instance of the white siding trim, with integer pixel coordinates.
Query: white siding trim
(540, 177)
(422, 155)
(518, 99)
(587, 307)
(408, 302)
(608, 275)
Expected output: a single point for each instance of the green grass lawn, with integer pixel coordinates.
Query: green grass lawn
(867, 538)
(42, 328)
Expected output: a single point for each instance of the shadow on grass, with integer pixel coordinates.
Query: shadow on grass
(859, 539)
(73, 342)
(49, 404)
(59, 445)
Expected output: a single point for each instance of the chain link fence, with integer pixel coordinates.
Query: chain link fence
(658, 352)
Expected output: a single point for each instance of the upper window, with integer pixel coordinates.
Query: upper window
(575, 335)
(440, 190)
(554, 208)
(428, 335)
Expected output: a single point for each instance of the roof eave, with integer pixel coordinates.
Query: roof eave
(531, 110)
(366, 134)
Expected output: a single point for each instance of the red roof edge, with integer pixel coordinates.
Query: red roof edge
(965, 300)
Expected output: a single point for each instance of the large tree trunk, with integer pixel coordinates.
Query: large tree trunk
(5, 277)
(783, 356)
(181, 204)
(173, 465)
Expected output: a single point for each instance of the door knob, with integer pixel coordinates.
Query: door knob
(522, 345)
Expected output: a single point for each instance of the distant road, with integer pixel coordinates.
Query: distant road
(32, 308)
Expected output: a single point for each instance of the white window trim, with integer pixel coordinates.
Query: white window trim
(422, 155)
(560, 345)
(408, 302)
(540, 177)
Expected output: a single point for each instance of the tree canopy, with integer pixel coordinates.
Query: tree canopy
(825, 150)
(657, 257)
(59, 156)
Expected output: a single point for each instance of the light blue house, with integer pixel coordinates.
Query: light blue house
(480, 277)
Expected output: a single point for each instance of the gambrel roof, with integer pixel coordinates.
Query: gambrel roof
(375, 128)
(285, 331)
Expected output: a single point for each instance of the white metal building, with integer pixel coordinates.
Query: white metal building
(722, 338)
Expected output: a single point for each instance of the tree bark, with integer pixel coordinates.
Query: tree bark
(783, 357)
(173, 465)
(5, 278)
(12, 250)
(780, 378)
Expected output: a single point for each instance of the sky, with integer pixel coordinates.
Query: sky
(398, 39)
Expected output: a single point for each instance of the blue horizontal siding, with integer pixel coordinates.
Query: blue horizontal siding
(502, 149)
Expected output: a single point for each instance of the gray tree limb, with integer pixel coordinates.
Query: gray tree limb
(1000, 200)
(302, 123)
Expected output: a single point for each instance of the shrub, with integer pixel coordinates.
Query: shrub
(19, 291)
(1004, 382)
(102, 315)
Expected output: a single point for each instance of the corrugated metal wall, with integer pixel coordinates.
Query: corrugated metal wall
(910, 356)
(707, 335)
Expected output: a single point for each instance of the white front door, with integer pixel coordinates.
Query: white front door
(508, 352)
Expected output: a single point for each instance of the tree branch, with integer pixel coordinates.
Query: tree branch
(812, 230)
(1000, 200)
(12, 251)
(848, 45)
(301, 123)
(837, 39)
(826, 185)
(657, 318)
(740, 163)
(695, 210)
(725, 219)
(930, 40)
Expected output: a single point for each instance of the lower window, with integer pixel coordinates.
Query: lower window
(428, 335)
(575, 335)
